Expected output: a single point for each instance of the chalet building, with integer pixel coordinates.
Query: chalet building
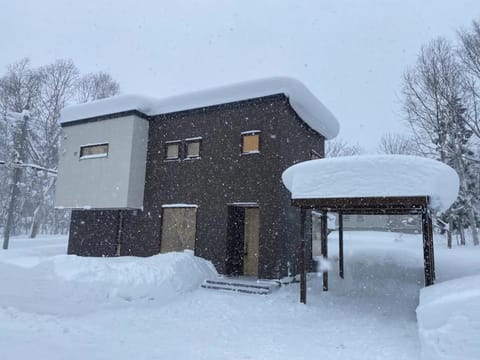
(199, 171)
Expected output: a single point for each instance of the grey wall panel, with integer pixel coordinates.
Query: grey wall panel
(115, 181)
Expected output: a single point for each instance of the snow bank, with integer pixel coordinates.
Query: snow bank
(449, 320)
(307, 106)
(373, 176)
(159, 276)
(73, 285)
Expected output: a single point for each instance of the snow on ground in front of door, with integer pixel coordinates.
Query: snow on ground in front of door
(57, 306)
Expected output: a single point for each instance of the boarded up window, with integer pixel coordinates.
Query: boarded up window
(172, 150)
(193, 149)
(93, 151)
(178, 229)
(251, 142)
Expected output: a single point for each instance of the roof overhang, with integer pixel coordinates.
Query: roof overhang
(304, 103)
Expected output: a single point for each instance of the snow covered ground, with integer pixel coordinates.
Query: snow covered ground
(57, 307)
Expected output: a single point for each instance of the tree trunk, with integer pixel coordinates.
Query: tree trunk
(37, 214)
(11, 207)
(473, 225)
(462, 234)
(449, 233)
(20, 146)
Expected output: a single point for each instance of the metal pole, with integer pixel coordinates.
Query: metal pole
(303, 270)
(340, 245)
(430, 241)
(427, 260)
(324, 245)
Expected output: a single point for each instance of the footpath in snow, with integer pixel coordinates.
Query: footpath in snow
(56, 306)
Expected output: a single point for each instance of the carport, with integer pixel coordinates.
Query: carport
(369, 185)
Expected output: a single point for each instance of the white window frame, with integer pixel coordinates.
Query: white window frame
(94, 156)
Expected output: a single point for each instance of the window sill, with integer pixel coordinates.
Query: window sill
(95, 156)
(251, 153)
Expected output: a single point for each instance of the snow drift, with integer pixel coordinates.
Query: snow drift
(159, 276)
(449, 320)
(70, 284)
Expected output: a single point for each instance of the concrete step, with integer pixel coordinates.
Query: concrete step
(246, 286)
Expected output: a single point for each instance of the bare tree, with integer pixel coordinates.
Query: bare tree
(397, 144)
(29, 142)
(19, 90)
(434, 106)
(58, 87)
(469, 54)
(95, 86)
(339, 147)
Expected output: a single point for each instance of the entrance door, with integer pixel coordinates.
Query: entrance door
(178, 229)
(251, 236)
(243, 240)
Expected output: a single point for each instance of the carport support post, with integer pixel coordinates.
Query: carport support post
(428, 247)
(340, 245)
(303, 270)
(432, 255)
(324, 245)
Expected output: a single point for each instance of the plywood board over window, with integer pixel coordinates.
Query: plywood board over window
(178, 229)
(90, 151)
(192, 148)
(251, 142)
(172, 150)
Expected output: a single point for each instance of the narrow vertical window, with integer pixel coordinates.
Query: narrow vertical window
(92, 151)
(172, 150)
(251, 142)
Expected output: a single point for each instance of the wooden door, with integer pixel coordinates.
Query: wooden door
(251, 241)
(178, 229)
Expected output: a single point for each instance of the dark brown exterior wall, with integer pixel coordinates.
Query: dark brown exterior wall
(93, 232)
(221, 176)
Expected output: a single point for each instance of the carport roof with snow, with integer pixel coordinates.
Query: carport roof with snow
(355, 181)
(379, 184)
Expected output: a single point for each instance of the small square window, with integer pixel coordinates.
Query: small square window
(172, 150)
(93, 151)
(251, 142)
(193, 149)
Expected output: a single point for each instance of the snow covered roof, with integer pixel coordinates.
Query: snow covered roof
(305, 104)
(373, 176)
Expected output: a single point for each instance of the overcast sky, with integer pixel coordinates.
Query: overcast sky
(350, 53)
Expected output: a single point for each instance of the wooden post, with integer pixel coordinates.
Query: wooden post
(324, 245)
(303, 270)
(340, 245)
(432, 255)
(427, 247)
